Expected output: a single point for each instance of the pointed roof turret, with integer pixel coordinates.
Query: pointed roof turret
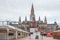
(39, 19)
(45, 20)
(25, 19)
(19, 22)
(55, 22)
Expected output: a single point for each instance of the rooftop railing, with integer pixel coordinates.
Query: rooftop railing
(5, 23)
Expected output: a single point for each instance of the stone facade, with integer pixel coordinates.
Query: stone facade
(43, 26)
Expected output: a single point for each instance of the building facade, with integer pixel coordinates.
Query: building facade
(43, 26)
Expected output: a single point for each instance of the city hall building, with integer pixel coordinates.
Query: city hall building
(43, 27)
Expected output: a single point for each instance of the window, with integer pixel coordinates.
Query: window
(18, 33)
(31, 32)
(1, 30)
(11, 34)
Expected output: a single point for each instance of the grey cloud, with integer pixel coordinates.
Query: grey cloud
(49, 5)
(16, 8)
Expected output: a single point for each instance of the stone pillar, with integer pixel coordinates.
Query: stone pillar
(25, 34)
(16, 35)
(21, 34)
(7, 34)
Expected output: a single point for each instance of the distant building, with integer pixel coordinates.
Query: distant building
(8, 32)
(43, 26)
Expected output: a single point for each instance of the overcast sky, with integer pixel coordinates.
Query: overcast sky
(12, 9)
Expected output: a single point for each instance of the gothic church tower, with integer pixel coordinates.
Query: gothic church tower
(32, 15)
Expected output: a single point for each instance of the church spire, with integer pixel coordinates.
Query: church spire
(45, 21)
(32, 15)
(32, 10)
